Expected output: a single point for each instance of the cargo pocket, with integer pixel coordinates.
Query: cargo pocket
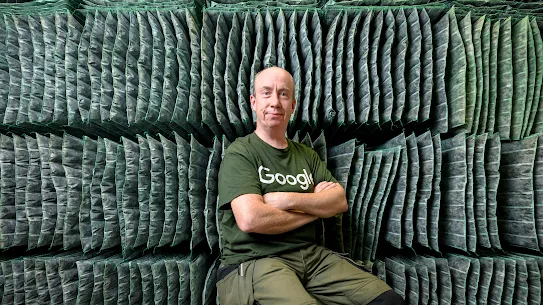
(236, 288)
(358, 264)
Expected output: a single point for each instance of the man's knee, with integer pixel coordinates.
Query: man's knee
(388, 298)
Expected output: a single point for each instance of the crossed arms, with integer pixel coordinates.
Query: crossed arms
(280, 212)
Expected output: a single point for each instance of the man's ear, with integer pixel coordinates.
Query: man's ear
(253, 101)
(293, 103)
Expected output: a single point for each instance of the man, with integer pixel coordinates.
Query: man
(271, 191)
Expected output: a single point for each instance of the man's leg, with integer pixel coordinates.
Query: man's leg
(275, 282)
(266, 281)
(334, 280)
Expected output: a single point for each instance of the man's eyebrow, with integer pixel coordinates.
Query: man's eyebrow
(265, 88)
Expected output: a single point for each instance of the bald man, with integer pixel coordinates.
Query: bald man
(271, 191)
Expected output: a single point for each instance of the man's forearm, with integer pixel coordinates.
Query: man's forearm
(254, 216)
(324, 204)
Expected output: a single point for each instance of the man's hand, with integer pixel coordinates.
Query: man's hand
(324, 186)
(277, 199)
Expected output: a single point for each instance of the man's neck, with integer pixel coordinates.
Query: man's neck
(275, 138)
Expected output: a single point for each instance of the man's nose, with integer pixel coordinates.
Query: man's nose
(274, 100)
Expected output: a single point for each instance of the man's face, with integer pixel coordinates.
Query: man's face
(273, 99)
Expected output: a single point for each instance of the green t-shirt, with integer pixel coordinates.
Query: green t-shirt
(252, 166)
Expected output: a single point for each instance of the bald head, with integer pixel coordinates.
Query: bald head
(273, 72)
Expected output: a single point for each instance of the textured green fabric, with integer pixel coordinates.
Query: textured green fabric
(198, 268)
(131, 68)
(244, 74)
(97, 211)
(430, 266)
(459, 267)
(424, 283)
(493, 78)
(25, 57)
(395, 274)
(38, 83)
(478, 54)
(339, 159)
(199, 156)
(219, 67)
(171, 68)
(394, 222)
(72, 161)
(212, 173)
(73, 38)
(435, 198)
(369, 182)
(485, 60)
(439, 111)
(385, 65)
(17, 266)
(485, 278)
(328, 112)
(317, 52)
(49, 196)
(413, 67)
(59, 181)
(425, 149)
(356, 224)
(147, 285)
(515, 197)
(411, 189)
(157, 71)
(531, 58)
(4, 67)
(538, 198)
(49, 39)
(53, 280)
(123, 283)
(471, 241)
(466, 32)
(144, 67)
(385, 199)
(452, 221)
(520, 295)
(183, 225)
(172, 280)
(232, 62)
(119, 63)
(479, 191)
(184, 281)
(157, 193)
(294, 56)
(373, 68)
(375, 205)
(7, 295)
(534, 280)
(363, 80)
(208, 53)
(339, 101)
(130, 207)
(135, 296)
(14, 68)
(456, 74)
(144, 189)
(22, 159)
(120, 170)
(31, 292)
(83, 75)
(510, 281)
(413, 284)
(492, 166)
(473, 281)
(538, 44)
(160, 285)
(112, 232)
(350, 96)
(94, 65)
(270, 55)
(41, 281)
(427, 68)
(210, 289)
(171, 184)
(504, 102)
(257, 64)
(33, 196)
(445, 289)
(90, 147)
(496, 286)
(519, 38)
(282, 36)
(399, 67)
(194, 116)
(351, 193)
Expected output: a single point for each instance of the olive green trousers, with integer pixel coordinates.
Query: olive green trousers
(314, 275)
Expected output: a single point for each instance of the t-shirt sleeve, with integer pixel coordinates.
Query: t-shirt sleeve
(319, 168)
(237, 176)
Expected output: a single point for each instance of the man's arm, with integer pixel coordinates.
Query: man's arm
(327, 200)
(254, 216)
